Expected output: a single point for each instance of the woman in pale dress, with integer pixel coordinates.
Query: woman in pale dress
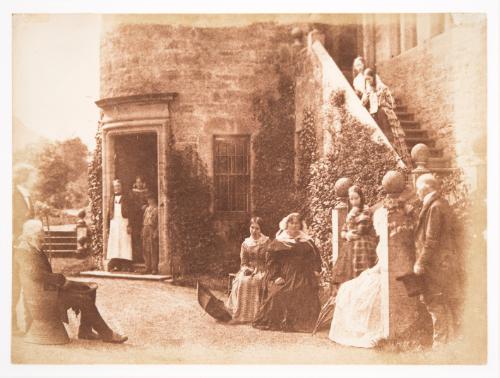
(119, 252)
(245, 298)
(357, 318)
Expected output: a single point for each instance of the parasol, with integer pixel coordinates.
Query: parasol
(325, 315)
(213, 306)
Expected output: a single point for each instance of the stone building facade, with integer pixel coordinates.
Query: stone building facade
(165, 85)
(436, 64)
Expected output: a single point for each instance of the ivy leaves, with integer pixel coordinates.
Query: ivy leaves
(354, 155)
(95, 198)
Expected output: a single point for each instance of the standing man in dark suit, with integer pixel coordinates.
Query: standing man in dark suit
(22, 210)
(437, 258)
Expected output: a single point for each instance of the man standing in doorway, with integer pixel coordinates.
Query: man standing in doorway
(436, 258)
(119, 250)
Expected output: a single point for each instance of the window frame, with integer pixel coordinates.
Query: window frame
(247, 140)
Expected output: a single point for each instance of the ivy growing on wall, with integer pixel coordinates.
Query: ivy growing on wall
(273, 181)
(190, 227)
(95, 199)
(354, 155)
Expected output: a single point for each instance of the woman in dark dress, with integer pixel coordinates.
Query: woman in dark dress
(290, 285)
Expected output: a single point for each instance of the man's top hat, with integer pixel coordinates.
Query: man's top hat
(414, 284)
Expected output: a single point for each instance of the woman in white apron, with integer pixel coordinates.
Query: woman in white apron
(119, 252)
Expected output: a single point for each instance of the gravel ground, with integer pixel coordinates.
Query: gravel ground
(165, 325)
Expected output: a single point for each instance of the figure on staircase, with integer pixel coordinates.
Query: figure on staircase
(378, 100)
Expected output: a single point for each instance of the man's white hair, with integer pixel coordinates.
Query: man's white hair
(429, 180)
(31, 228)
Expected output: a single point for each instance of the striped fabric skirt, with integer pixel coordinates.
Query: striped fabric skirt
(245, 298)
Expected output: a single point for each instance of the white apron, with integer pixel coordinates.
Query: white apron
(119, 241)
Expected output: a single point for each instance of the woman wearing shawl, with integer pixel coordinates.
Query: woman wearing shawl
(245, 298)
(291, 301)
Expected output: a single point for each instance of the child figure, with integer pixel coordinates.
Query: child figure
(359, 251)
(150, 236)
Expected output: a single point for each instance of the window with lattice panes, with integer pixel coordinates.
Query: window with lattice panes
(232, 173)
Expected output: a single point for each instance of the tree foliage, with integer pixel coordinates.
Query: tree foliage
(62, 174)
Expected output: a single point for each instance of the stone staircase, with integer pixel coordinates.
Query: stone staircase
(415, 135)
(60, 243)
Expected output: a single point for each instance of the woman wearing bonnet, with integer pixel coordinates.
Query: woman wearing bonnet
(245, 298)
(290, 284)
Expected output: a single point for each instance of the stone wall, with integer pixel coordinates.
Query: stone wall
(443, 81)
(217, 73)
(318, 77)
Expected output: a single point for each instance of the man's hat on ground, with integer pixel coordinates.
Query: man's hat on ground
(414, 284)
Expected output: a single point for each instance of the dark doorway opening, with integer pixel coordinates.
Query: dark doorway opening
(137, 155)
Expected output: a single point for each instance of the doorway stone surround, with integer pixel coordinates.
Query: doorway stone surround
(137, 114)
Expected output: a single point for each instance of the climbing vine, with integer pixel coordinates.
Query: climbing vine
(274, 151)
(95, 199)
(307, 155)
(354, 155)
(190, 228)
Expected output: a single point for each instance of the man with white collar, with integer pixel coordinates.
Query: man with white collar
(436, 259)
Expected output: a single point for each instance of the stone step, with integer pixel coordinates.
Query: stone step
(62, 253)
(59, 246)
(60, 239)
(405, 124)
(416, 133)
(128, 276)
(410, 141)
(435, 152)
(60, 233)
(405, 116)
(401, 109)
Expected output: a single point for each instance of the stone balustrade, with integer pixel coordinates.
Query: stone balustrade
(339, 214)
(395, 250)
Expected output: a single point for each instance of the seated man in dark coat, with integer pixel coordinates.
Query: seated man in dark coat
(37, 277)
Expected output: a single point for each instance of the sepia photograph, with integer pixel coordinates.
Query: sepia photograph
(249, 189)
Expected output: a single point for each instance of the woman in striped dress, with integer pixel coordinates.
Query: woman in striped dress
(245, 298)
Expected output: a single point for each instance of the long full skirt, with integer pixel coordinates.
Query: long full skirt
(289, 308)
(245, 298)
(357, 319)
(119, 241)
